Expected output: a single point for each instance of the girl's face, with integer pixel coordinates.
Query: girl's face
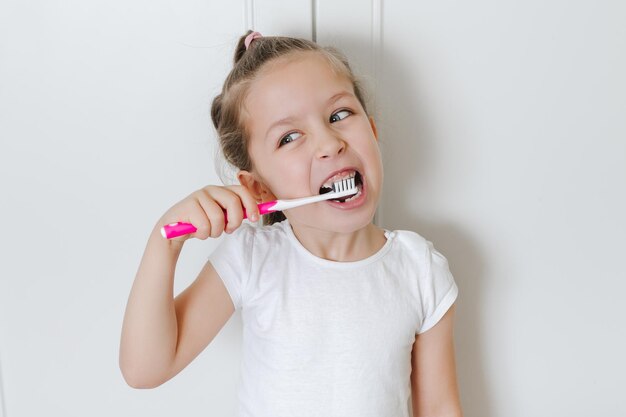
(307, 129)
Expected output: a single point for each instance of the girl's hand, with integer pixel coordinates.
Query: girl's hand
(205, 210)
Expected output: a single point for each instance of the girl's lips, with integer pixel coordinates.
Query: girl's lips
(357, 202)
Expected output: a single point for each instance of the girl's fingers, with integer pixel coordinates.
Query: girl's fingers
(214, 215)
(201, 223)
(231, 203)
(206, 210)
(233, 199)
(248, 201)
(198, 218)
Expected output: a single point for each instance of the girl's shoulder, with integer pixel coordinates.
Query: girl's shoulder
(410, 240)
(417, 247)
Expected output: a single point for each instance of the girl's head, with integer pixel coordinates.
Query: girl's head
(291, 114)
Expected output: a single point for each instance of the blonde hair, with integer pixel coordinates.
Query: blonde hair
(227, 107)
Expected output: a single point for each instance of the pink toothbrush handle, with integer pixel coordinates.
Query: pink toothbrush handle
(173, 230)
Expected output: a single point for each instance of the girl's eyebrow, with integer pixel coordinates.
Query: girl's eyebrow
(290, 119)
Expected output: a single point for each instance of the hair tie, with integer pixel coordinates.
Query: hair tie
(251, 37)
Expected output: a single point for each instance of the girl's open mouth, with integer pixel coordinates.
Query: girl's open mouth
(344, 201)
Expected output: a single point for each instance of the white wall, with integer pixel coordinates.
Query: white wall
(504, 140)
(104, 124)
(506, 131)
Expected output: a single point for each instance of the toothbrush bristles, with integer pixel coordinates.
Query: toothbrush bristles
(344, 185)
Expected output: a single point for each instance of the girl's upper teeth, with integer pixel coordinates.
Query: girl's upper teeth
(338, 177)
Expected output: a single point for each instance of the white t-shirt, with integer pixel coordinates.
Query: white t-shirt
(325, 338)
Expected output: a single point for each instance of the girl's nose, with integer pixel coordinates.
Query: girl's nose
(329, 145)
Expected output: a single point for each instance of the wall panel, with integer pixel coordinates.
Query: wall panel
(506, 147)
(104, 125)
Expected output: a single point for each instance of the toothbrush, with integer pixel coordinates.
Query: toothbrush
(341, 188)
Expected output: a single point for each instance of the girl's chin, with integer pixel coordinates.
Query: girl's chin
(331, 219)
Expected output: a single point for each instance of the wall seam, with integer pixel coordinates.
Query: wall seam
(376, 53)
(248, 12)
(3, 410)
(314, 10)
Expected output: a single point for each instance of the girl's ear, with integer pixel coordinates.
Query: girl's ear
(373, 127)
(255, 186)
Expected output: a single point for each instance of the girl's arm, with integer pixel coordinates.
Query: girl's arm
(160, 334)
(433, 378)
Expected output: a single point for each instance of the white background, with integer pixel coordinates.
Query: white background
(504, 137)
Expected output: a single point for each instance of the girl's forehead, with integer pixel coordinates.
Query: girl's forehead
(298, 67)
(297, 80)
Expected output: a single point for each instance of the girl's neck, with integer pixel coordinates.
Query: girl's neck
(341, 247)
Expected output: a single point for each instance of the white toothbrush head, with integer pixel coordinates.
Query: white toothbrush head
(343, 188)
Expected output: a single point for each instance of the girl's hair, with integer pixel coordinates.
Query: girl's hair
(227, 108)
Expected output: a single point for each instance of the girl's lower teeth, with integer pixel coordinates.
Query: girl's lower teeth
(358, 193)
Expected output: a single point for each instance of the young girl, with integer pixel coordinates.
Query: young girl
(340, 317)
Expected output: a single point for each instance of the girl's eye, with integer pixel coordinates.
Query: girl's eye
(287, 139)
(334, 117)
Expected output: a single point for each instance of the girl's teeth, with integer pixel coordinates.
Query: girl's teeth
(336, 178)
(358, 193)
(352, 197)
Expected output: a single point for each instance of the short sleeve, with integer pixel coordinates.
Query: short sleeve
(232, 260)
(439, 289)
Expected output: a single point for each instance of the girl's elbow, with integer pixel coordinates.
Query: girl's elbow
(136, 382)
(453, 413)
(137, 379)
